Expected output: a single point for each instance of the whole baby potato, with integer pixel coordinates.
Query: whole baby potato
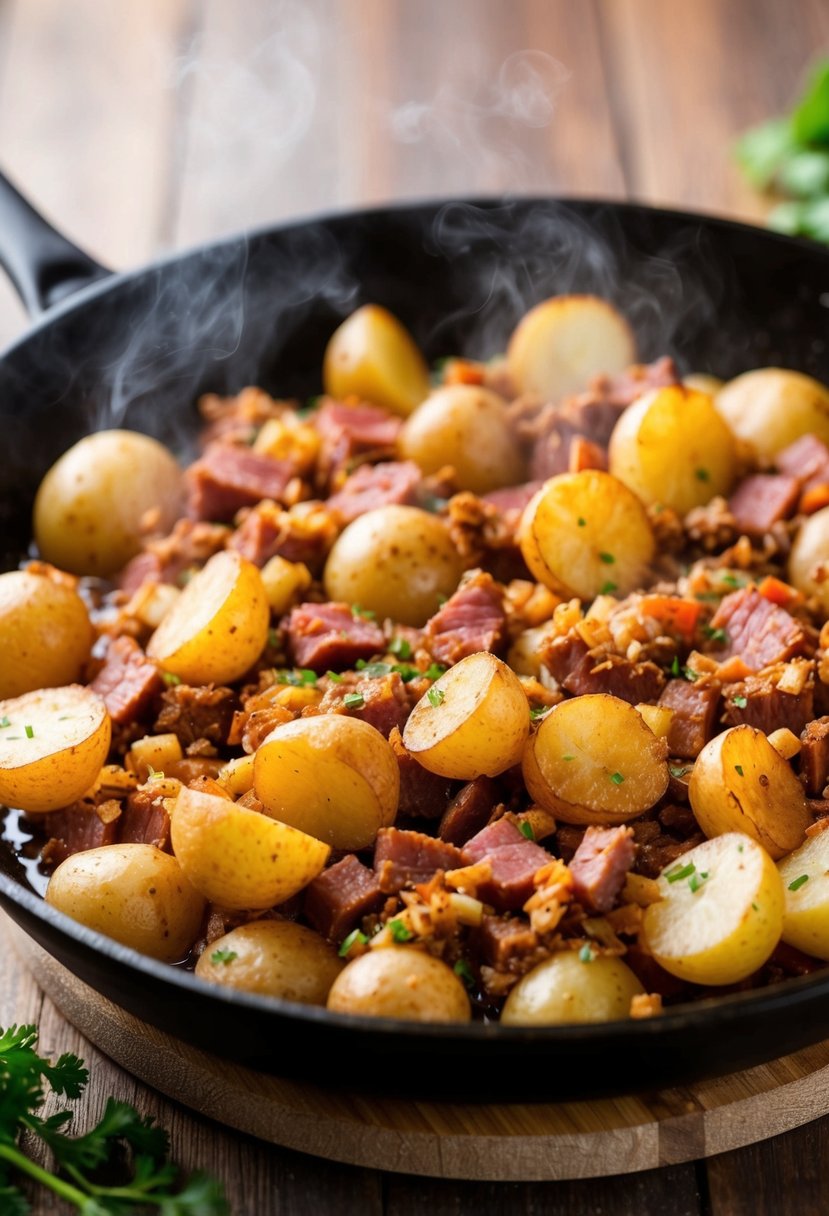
(770, 407)
(133, 893)
(274, 958)
(400, 982)
(90, 508)
(45, 633)
(331, 776)
(571, 987)
(809, 558)
(466, 427)
(373, 356)
(397, 561)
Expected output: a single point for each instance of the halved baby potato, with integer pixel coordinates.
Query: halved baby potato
(240, 858)
(673, 447)
(134, 893)
(805, 875)
(218, 626)
(373, 356)
(562, 342)
(740, 783)
(472, 722)
(770, 407)
(53, 744)
(587, 534)
(721, 912)
(593, 759)
(274, 958)
(331, 776)
(572, 986)
(809, 558)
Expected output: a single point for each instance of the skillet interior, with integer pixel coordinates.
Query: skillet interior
(137, 350)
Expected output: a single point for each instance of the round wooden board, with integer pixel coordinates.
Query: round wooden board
(505, 1142)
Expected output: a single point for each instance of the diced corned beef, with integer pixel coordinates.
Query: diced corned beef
(625, 387)
(679, 819)
(143, 568)
(423, 795)
(338, 898)
(379, 485)
(651, 976)
(354, 430)
(660, 849)
(551, 451)
(128, 680)
(191, 543)
(226, 478)
(74, 830)
(191, 713)
(471, 620)
(469, 811)
(758, 701)
(500, 939)
(330, 637)
(814, 756)
(513, 498)
(405, 858)
(514, 861)
(694, 708)
(385, 703)
(600, 865)
(807, 459)
(757, 631)
(580, 670)
(762, 500)
(268, 531)
(144, 821)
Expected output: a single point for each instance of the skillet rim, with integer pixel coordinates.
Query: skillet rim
(792, 994)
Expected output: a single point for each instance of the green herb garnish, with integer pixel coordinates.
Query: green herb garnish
(170, 678)
(526, 829)
(464, 973)
(335, 676)
(616, 778)
(716, 635)
(680, 872)
(434, 671)
(30, 732)
(401, 648)
(356, 935)
(607, 558)
(607, 588)
(436, 696)
(702, 475)
(223, 956)
(4, 722)
(798, 882)
(122, 1142)
(678, 770)
(738, 768)
(354, 700)
(740, 701)
(586, 954)
(367, 613)
(399, 931)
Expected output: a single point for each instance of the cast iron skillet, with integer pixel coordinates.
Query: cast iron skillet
(137, 349)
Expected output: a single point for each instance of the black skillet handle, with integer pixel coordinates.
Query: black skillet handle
(43, 265)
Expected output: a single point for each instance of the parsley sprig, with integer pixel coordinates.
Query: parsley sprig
(153, 1180)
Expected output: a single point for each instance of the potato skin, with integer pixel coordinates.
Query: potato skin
(770, 407)
(397, 561)
(331, 776)
(373, 356)
(239, 858)
(565, 989)
(467, 428)
(45, 633)
(400, 982)
(809, 558)
(89, 507)
(133, 893)
(274, 958)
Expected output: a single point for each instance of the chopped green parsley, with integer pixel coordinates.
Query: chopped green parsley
(680, 872)
(355, 936)
(399, 931)
(526, 829)
(400, 647)
(354, 700)
(223, 956)
(436, 696)
(798, 882)
(740, 702)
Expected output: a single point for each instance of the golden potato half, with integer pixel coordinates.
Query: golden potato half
(472, 722)
(45, 632)
(373, 356)
(587, 534)
(53, 744)
(90, 508)
(721, 912)
(218, 626)
(594, 760)
(239, 858)
(805, 876)
(331, 776)
(672, 447)
(562, 342)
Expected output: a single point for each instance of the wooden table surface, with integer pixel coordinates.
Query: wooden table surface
(150, 125)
